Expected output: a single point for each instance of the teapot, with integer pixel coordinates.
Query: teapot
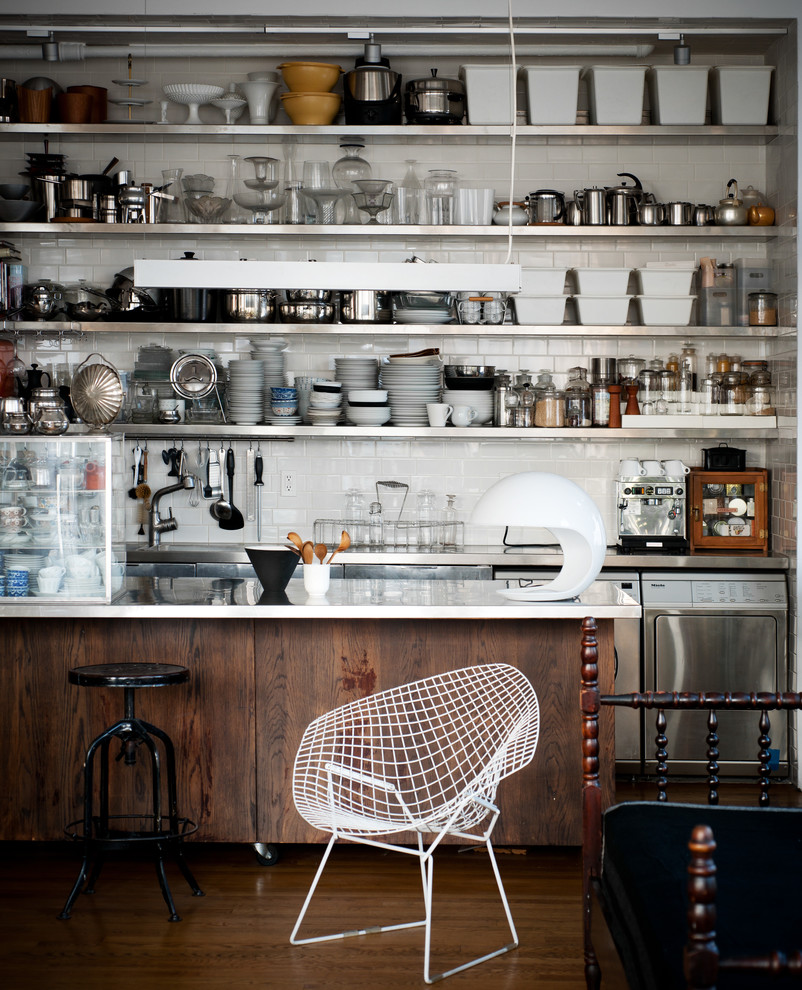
(760, 215)
(42, 300)
(502, 215)
(35, 379)
(731, 211)
(623, 201)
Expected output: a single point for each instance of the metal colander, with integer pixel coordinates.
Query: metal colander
(96, 391)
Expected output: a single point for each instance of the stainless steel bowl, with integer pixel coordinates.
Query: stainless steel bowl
(309, 295)
(248, 305)
(470, 371)
(86, 302)
(306, 312)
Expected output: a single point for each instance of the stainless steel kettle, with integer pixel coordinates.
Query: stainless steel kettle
(592, 204)
(731, 211)
(623, 201)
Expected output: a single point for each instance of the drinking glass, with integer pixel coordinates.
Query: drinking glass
(440, 186)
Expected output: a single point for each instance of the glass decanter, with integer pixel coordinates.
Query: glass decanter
(409, 196)
(172, 210)
(345, 172)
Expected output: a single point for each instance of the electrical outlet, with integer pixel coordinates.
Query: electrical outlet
(287, 483)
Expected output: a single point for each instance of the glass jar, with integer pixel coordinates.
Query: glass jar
(524, 414)
(762, 309)
(648, 385)
(375, 525)
(549, 407)
(761, 401)
(709, 396)
(687, 364)
(578, 411)
(441, 189)
(600, 405)
(734, 394)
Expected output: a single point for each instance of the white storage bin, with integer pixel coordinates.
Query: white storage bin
(542, 281)
(669, 311)
(551, 93)
(665, 281)
(540, 310)
(488, 92)
(678, 93)
(602, 310)
(739, 94)
(615, 93)
(601, 281)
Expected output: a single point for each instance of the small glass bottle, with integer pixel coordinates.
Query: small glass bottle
(687, 363)
(452, 527)
(375, 525)
(425, 519)
(578, 412)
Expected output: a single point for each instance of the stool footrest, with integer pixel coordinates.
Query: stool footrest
(119, 837)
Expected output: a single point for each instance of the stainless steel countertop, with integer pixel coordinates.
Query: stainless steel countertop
(217, 598)
(496, 556)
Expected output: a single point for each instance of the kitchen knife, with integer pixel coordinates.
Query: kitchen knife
(258, 467)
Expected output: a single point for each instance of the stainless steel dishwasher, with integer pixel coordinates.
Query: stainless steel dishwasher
(628, 669)
(714, 631)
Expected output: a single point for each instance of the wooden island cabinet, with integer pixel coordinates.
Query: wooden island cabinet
(258, 676)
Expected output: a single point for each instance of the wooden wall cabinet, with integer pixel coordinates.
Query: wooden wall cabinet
(729, 511)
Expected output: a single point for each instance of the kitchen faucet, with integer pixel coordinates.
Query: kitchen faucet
(157, 525)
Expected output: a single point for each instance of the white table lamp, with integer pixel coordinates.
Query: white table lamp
(550, 502)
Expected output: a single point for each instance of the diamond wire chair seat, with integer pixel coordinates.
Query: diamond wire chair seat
(425, 757)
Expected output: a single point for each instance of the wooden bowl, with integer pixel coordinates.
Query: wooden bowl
(310, 77)
(311, 108)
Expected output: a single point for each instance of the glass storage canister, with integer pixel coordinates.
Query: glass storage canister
(524, 413)
(578, 411)
(734, 394)
(549, 407)
(600, 405)
(441, 189)
(761, 401)
(762, 309)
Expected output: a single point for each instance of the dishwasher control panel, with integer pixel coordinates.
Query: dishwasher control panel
(711, 590)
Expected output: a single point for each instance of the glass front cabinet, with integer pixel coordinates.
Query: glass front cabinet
(729, 511)
(61, 521)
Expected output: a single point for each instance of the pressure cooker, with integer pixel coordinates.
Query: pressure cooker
(434, 100)
(192, 305)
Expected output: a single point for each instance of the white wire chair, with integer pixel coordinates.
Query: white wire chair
(425, 757)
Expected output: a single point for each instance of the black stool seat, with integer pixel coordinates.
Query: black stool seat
(135, 675)
(161, 830)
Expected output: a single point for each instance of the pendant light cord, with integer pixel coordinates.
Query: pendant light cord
(513, 128)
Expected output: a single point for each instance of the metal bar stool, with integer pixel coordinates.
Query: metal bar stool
(102, 832)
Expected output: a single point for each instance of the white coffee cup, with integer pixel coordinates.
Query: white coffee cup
(653, 469)
(631, 469)
(438, 413)
(675, 469)
(463, 415)
(316, 579)
(48, 585)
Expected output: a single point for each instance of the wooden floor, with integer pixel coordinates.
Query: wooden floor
(237, 935)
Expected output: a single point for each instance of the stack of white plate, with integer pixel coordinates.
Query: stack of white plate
(32, 559)
(245, 391)
(88, 587)
(411, 383)
(480, 399)
(270, 351)
(356, 372)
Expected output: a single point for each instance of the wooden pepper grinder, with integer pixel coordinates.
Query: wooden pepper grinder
(632, 401)
(615, 406)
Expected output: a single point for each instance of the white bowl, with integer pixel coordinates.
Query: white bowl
(368, 416)
(665, 310)
(601, 281)
(602, 310)
(189, 93)
(367, 395)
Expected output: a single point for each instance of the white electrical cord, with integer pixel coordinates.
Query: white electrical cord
(513, 129)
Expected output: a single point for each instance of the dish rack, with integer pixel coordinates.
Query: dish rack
(398, 534)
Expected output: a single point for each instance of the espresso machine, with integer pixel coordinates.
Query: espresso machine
(652, 511)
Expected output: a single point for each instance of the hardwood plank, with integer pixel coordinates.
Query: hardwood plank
(237, 936)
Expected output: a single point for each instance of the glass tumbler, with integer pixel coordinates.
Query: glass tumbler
(441, 186)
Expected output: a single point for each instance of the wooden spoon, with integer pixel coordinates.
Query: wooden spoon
(296, 539)
(345, 542)
(320, 551)
(308, 552)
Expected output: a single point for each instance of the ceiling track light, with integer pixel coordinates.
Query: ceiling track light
(50, 48)
(682, 52)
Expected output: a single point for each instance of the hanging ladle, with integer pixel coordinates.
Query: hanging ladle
(221, 510)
